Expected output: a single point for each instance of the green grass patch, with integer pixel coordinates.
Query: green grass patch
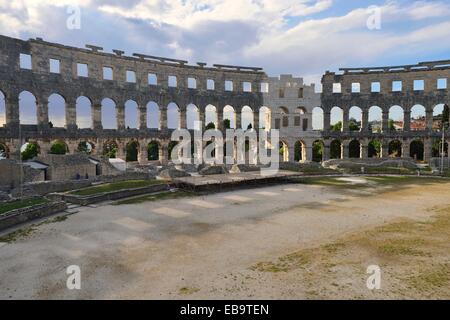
(116, 186)
(5, 207)
(156, 197)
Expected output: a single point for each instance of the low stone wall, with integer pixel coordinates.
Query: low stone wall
(14, 217)
(108, 196)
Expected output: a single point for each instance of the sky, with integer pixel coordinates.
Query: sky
(300, 37)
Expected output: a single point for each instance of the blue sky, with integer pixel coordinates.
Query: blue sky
(302, 37)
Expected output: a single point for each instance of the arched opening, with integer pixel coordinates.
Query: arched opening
(211, 115)
(336, 149)
(153, 115)
(192, 117)
(318, 148)
(27, 108)
(416, 150)
(109, 116)
(84, 112)
(354, 149)
(336, 119)
(440, 117)
(374, 149)
(284, 151)
(355, 119)
(247, 118)
(56, 111)
(436, 150)
(230, 115)
(375, 119)
(265, 118)
(396, 118)
(29, 150)
(59, 147)
(110, 149)
(153, 151)
(4, 151)
(132, 151)
(418, 118)
(85, 147)
(395, 149)
(173, 116)
(131, 114)
(299, 151)
(2, 109)
(317, 119)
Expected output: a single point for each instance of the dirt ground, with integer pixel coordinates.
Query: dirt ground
(311, 240)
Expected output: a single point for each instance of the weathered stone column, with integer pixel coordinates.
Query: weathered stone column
(364, 150)
(326, 120)
(385, 121)
(310, 124)
(97, 116)
(201, 118)
(308, 152)
(291, 152)
(256, 121)
(345, 120)
(183, 124)
(164, 156)
(429, 119)
(238, 120)
(42, 114)
(406, 147)
(220, 120)
(71, 114)
(407, 121)
(345, 150)
(12, 112)
(384, 149)
(142, 117)
(143, 154)
(163, 118)
(365, 120)
(120, 117)
(121, 152)
(326, 151)
(428, 149)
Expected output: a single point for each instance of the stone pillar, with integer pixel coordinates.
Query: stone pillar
(428, 149)
(365, 120)
(121, 153)
(385, 121)
(308, 153)
(12, 112)
(163, 118)
(143, 154)
(309, 118)
(429, 119)
(345, 154)
(164, 157)
(345, 120)
(42, 114)
(291, 152)
(71, 114)
(256, 121)
(142, 117)
(183, 124)
(326, 121)
(202, 119)
(97, 116)
(364, 150)
(406, 147)
(326, 151)
(407, 121)
(238, 120)
(220, 120)
(384, 149)
(120, 117)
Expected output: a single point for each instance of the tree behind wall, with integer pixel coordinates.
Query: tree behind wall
(30, 151)
(58, 147)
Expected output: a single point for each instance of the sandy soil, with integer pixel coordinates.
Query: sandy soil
(292, 242)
